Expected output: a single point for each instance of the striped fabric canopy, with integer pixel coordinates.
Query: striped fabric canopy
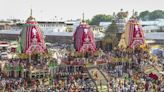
(31, 38)
(83, 39)
(134, 33)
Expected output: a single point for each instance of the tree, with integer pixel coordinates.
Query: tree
(156, 14)
(111, 35)
(100, 18)
(88, 21)
(144, 15)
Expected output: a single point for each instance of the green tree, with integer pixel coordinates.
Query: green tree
(111, 35)
(156, 14)
(88, 21)
(144, 15)
(100, 18)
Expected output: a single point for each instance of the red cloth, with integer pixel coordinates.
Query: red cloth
(13, 50)
(134, 30)
(29, 35)
(153, 76)
(80, 36)
(146, 86)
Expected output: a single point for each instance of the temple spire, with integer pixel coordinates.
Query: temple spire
(31, 12)
(133, 12)
(83, 17)
(121, 10)
(31, 18)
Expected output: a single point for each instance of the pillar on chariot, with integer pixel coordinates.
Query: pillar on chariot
(19, 71)
(9, 69)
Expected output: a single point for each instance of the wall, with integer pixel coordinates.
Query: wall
(60, 39)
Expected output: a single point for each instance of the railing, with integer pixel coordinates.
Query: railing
(86, 71)
(92, 79)
(104, 77)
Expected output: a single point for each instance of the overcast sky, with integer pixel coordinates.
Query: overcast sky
(72, 9)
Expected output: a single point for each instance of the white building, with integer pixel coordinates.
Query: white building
(153, 26)
(105, 24)
(148, 26)
(52, 26)
(49, 26)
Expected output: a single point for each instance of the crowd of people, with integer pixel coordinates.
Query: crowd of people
(122, 76)
(131, 76)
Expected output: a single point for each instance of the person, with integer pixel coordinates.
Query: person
(118, 89)
(146, 87)
(96, 75)
(48, 90)
(0, 76)
(101, 84)
(112, 84)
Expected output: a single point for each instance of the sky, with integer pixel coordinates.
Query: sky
(72, 9)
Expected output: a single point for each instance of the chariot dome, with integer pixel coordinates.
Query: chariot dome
(31, 37)
(83, 38)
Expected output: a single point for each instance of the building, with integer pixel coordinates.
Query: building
(10, 24)
(5, 25)
(154, 32)
(50, 26)
(105, 24)
(153, 26)
(98, 31)
(69, 26)
(54, 26)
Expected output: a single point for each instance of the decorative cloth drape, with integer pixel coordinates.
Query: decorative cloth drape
(84, 39)
(31, 38)
(134, 35)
